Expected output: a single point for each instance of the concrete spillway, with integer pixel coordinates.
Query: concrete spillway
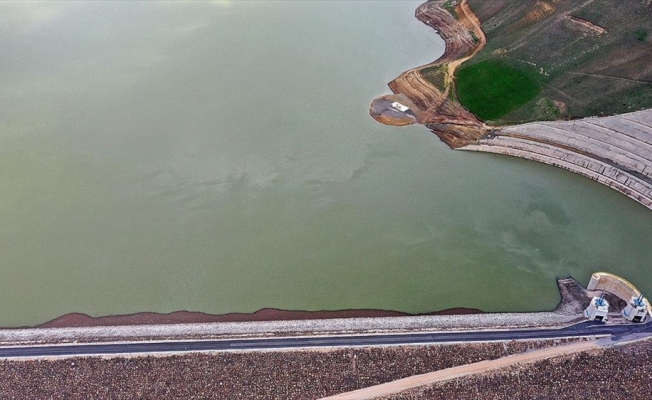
(621, 287)
(615, 151)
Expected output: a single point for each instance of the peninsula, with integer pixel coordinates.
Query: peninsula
(556, 82)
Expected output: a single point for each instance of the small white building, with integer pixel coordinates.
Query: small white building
(400, 107)
(636, 309)
(597, 310)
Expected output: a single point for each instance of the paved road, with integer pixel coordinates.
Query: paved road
(583, 329)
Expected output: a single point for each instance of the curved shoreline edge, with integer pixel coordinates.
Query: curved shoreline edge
(265, 314)
(615, 151)
(436, 106)
(602, 149)
(574, 299)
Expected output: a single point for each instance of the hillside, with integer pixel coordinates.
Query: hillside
(576, 58)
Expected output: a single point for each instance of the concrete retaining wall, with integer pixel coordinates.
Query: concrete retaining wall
(606, 174)
(615, 151)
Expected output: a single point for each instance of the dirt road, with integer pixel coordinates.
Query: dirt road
(463, 370)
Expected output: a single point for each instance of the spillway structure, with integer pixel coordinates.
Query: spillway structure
(598, 309)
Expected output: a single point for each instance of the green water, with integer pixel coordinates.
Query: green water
(218, 157)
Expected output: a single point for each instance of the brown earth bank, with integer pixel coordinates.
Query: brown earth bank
(574, 298)
(265, 314)
(586, 60)
(436, 107)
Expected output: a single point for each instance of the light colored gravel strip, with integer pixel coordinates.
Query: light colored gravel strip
(351, 325)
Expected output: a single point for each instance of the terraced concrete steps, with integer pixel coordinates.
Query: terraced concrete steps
(615, 151)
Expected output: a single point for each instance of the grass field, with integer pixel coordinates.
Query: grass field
(583, 71)
(492, 88)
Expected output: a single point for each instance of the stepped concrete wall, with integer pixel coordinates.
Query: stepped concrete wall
(615, 151)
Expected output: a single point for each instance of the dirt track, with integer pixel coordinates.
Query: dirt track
(436, 107)
(460, 46)
(611, 158)
(462, 370)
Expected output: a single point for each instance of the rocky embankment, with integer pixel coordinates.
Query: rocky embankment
(265, 314)
(308, 374)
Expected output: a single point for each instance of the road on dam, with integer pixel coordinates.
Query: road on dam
(580, 330)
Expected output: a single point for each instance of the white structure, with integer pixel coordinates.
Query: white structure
(606, 282)
(400, 106)
(636, 309)
(597, 310)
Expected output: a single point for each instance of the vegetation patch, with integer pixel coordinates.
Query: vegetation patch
(436, 75)
(475, 37)
(641, 35)
(590, 57)
(492, 88)
(450, 5)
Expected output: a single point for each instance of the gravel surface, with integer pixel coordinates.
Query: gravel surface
(446, 322)
(242, 375)
(616, 373)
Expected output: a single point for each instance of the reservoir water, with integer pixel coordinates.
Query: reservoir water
(217, 156)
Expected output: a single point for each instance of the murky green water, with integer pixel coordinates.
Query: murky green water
(218, 157)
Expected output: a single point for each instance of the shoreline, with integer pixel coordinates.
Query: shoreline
(574, 298)
(456, 126)
(72, 320)
(436, 107)
(615, 151)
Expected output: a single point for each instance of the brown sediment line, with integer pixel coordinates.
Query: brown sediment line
(435, 108)
(265, 314)
(573, 298)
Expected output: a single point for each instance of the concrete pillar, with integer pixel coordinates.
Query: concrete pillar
(593, 283)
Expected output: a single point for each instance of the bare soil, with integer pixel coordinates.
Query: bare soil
(435, 106)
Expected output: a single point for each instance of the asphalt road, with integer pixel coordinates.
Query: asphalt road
(582, 329)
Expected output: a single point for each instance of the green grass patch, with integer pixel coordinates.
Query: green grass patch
(435, 75)
(641, 35)
(475, 37)
(450, 5)
(491, 88)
